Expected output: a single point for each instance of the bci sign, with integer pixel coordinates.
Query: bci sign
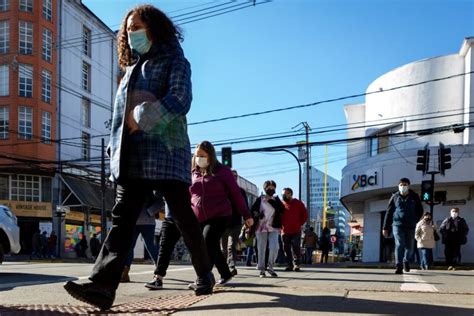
(364, 180)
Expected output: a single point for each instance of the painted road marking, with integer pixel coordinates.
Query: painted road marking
(414, 283)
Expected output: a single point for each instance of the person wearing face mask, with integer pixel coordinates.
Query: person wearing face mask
(214, 190)
(148, 149)
(425, 237)
(454, 232)
(403, 212)
(294, 216)
(267, 210)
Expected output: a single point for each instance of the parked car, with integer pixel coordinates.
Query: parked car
(9, 232)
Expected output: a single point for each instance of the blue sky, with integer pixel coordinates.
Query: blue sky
(290, 52)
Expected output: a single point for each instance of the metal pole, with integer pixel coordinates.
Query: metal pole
(325, 187)
(308, 206)
(299, 168)
(103, 214)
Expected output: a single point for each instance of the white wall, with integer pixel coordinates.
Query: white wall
(104, 69)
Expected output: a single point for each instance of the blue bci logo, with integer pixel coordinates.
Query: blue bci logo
(363, 180)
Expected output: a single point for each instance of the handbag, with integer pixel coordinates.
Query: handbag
(436, 236)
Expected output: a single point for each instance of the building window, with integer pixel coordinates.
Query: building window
(26, 38)
(86, 38)
(25, 81)
(25, 188)
(86, 74)
(26, 5)
(46, 127)
(86, 113)
(47, 45)
(4, 187)
(86, 144)
(25, 122)
(4, 122)
(4, 37)
(4, 81)
(46, 189)
(48, 9)
(4, 5)
(379, 143)
(46, 86)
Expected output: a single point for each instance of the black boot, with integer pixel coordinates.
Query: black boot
(91, 293)
(406, 267)
(399, 270)
(204, 285)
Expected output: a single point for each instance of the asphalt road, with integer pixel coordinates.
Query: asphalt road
(314, 290)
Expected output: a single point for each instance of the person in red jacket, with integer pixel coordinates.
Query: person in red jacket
(293, 218)
(213, 192)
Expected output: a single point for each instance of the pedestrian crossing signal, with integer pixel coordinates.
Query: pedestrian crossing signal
(426, 190)
(227, 156)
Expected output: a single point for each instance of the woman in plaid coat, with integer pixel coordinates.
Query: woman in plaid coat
(149, 149)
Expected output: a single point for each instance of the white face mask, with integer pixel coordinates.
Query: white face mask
(454, 214)
(201, 162)
(403, 189)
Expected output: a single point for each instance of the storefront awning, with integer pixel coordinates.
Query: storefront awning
(87, 194)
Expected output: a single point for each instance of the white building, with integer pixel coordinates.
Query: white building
(336, 217)
(88, 77)
(375, 165)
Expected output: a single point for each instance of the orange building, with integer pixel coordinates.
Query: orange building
(28, 107)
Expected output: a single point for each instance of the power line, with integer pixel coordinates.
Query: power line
(330, 100)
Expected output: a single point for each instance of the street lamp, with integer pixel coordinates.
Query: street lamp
(61, 212)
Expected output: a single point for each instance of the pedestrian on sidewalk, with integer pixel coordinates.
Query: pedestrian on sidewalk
(425, 232)
(52, 245)
(325, 244)
(230, 237)
(148, 149)
(213, 192)
(267, 210)
(36, 244)
(170, 236)
(294, 216)
(403, 212)
(94, 244)
(146, 227)
(310, 243)
(454, 232)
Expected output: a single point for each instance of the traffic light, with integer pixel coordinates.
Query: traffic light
(227, 156)
(444, 158)
(423, 159)
(427, 190)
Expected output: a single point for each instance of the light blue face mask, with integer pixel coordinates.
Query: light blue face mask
(139, 41)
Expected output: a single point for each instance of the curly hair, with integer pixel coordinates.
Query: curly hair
(160, 27)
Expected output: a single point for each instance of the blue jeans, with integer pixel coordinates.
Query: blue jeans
(309, 255)
(404, 244)
(249, 255)
(426, 257)
(262, 238)
(148, 234)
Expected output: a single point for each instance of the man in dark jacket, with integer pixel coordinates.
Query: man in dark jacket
(403, 212)
(230, 238)
(454, 232)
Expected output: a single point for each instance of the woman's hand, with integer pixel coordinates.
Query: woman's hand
(249, 222)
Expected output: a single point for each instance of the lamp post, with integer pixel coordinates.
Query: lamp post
(60, 214)
(299, 168)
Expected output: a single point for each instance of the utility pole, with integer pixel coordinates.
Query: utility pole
(308, 205)
(325, 209)
(103, 213)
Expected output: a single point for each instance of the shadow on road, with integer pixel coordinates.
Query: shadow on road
(11, 280)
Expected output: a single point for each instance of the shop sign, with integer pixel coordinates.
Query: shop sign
(75, 216)
(29, 209)
(368, 179)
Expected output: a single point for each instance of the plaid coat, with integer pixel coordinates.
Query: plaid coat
(156, 90)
